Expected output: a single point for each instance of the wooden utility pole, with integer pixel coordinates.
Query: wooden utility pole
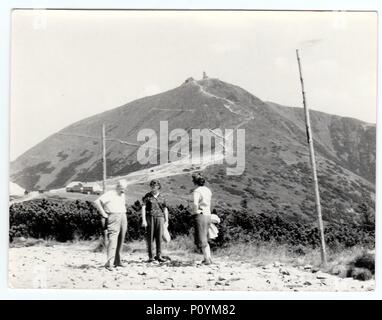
(105, 237)
(313, 164)
(103, 159)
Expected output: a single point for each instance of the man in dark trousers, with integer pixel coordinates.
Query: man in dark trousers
(154, 217)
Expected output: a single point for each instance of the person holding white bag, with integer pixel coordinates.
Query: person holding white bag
(201, 214)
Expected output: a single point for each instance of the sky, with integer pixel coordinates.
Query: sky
(67, 65)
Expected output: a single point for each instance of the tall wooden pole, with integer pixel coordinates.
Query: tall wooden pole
(313, 165)
(105, 237)
(103, 159)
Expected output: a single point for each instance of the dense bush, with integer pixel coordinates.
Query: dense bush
(67, 220)
(60, 220)
(238, 225)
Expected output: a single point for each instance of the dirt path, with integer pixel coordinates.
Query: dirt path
(230, 105)
(77, 266)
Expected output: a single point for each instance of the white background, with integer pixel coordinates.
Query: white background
(6, 6)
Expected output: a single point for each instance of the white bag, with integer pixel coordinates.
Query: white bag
(215, 218)
(212, 231)
(166, 235)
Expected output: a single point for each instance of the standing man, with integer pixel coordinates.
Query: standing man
(154, 217)
(112, 207)
(201, 214)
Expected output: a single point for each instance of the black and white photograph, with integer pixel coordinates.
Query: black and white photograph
(192, 150)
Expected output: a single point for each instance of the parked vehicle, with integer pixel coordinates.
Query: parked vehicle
(74, 186)
(92, 188)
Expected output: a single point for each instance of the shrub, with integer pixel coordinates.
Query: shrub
(67, 220)
(60, 220)
(366, 260)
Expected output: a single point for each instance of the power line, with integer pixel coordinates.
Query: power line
(117, 140)
(184, 110)
(172, 164)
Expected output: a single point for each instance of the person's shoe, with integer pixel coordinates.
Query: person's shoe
(121, 265)
(160, 259)
(150, 260)
(207, 262)
(108, 267)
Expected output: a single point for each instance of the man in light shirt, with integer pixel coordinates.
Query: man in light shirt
(202, 215)
(112, 207)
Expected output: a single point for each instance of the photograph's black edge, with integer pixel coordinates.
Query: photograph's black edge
(192, 309)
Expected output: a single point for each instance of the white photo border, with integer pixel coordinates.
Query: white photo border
(6, 7)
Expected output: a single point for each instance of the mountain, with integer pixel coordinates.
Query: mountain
(277, 176)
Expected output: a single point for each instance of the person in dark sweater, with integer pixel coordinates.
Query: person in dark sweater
(154, 217)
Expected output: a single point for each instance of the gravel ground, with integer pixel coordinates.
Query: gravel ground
(73, 266)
